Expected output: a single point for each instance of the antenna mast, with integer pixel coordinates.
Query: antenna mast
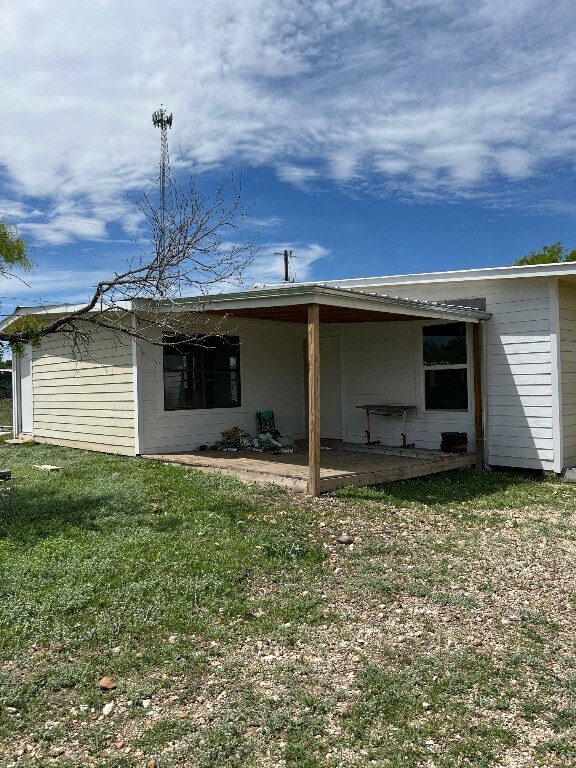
(161, 119)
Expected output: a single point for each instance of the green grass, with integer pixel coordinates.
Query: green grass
(5, 411)
(399, 712)
(216, 602)
(122, 553)
(468, 491)
(128, 548)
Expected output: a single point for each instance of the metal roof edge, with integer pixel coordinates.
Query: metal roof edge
(324, 290)
(51, 309)
(283, 291)
(480, 273)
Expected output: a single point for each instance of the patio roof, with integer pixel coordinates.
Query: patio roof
(318, 303)
(289, 303)
(337, 305)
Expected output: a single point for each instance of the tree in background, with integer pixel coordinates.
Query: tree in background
(13, 250)
(14, 257)
(548, 254)
(193, 247)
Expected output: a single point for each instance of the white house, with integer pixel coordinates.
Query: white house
(490, 352)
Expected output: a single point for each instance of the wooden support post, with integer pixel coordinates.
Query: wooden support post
(314, 399)
(478, 415)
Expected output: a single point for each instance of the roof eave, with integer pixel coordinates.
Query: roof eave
(55, 309)
(463, 275)
(281, 296)
(292, 295)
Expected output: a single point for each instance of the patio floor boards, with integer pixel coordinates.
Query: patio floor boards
(338, 467)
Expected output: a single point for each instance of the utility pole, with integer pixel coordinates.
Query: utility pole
(287, 257)
(161, 119)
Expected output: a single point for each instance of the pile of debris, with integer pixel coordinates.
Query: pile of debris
(268, 438)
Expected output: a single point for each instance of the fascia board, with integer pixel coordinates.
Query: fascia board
(294, 296)
(564, 269)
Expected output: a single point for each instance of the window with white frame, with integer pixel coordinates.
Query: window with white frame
(445, 360)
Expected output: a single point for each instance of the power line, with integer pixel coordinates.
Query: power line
(351, 261)
(58, 218)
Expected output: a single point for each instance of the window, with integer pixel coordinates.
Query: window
(203, 373)
(445, 359)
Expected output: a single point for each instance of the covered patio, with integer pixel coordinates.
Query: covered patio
(316, 470)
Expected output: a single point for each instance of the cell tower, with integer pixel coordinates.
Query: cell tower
(161, 119)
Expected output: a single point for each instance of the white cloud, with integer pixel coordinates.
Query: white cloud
(59, 229)
(46, 287)
(421, 94)
(267, 223)
(515, 163)
(268, 266)
(297, 175)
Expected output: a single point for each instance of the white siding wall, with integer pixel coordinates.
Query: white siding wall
(382, 364)
(90, 402)
(85, 399)
(271, 375)
(520, 427)
(567, 301)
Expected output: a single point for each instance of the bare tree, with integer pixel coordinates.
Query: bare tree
(191, 248)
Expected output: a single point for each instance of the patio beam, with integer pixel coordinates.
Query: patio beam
(314, 399)
(478, 398)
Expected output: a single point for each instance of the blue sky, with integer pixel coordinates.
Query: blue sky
(373, 136)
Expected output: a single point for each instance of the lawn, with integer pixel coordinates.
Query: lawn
(5, 411)
(241, 632)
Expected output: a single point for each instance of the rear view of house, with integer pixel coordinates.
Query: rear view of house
(489, 352)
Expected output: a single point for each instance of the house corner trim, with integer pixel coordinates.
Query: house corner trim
(137, 388)
(556, 373)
